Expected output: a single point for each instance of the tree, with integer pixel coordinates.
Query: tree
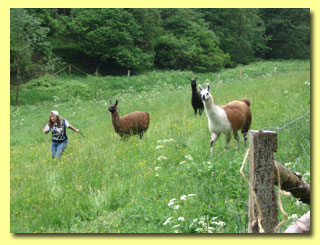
(290, 32)
(150, 22)
(111, 35)
(30, 53)
(241, 32)
(188, 43)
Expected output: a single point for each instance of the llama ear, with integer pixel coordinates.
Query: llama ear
(208, 86)
(116, 102)
(200, 88)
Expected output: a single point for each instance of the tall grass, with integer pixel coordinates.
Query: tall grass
(165, 183)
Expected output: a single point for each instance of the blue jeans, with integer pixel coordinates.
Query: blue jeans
(57, 148)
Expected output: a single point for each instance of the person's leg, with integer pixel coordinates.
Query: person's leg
(61, 147)
(53, 149)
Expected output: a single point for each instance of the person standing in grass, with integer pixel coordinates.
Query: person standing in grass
(58, 127)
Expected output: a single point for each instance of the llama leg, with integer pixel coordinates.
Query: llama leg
(237, 138)
(214, 137)
(228, 138)
(195, 112)
(141, 134)
(245, 133)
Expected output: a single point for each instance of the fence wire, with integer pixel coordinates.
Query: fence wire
(287, 124)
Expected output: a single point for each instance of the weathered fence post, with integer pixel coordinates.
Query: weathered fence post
(240, 73)
(262, 203)
(128, 73)
(69, 69)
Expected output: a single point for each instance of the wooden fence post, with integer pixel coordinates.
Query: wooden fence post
(263, 202)
(69, 69)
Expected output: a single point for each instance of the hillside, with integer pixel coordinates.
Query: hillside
(165, 183)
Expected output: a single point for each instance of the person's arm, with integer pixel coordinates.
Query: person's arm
(46, 129)
(73, 128)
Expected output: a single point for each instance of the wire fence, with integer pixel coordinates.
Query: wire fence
(292, 122)
(287, 124)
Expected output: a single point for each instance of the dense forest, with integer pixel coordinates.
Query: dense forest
(112, 41)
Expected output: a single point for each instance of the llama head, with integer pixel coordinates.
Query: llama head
(205, 92)
(193, 82)
(113, 107)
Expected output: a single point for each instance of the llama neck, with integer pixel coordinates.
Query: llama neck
(194, 89)
(210, 107)
(115, 118)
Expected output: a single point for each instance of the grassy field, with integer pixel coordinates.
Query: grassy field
(165, 183)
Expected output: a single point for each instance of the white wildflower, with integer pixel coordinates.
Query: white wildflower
(176, 226)
(171, 202)
(159, 147)
(157, 168)
(194, 221)
(173, 199)
(220, 223)
(214, 218)
(181, 218)
(156, 175)
(176, 231)
(168, 221)
(191, 195)
(165, 141)
(184, 197)
(201, 222)
(188, 157)
(176, 207)
(182, 162)
(168, 140)
(210, 230)
(162, 158)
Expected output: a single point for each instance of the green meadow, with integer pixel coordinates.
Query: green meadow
(166, 183)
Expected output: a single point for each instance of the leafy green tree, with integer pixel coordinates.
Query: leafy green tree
(241, 32)
(53, 18)
(150, 22)
(188, 43)
(30, 53)
(290, 32)
(111, 35)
